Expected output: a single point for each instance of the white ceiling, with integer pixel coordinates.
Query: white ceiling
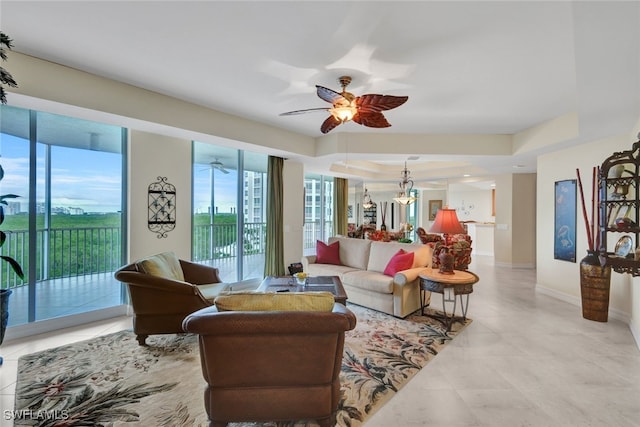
(473, 67)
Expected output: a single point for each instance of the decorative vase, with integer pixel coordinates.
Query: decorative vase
(446, 260)
(4, 313)
(595, 282)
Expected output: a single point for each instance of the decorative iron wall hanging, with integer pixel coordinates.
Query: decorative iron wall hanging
(162, 207)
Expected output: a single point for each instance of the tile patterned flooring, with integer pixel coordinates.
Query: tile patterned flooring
(527, 359)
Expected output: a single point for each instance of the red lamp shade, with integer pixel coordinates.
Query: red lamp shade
(446, 222)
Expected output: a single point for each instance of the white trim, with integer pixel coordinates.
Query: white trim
(527, 266)
(635, 334)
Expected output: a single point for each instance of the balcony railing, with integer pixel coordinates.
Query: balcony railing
(216, 241)
(70, 252)
(314, 231)
(63, 252)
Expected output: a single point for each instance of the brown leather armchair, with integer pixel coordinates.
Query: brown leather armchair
(271, 365)
(164, 290)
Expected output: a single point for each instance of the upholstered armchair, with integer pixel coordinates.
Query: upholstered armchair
(164, 290)
(427, 238)
(460, 247)
(262, 366)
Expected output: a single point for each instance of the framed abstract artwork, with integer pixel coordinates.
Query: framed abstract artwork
(434, 207)
(564, 232)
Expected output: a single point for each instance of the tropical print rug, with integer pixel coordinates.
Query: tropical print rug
(112, 381)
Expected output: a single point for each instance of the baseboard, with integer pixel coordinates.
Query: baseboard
(577, 301)
(48, 325)
(635, 334)
(483, 253)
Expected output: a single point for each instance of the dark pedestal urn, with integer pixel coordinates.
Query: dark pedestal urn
(595, 281)
(4, 313)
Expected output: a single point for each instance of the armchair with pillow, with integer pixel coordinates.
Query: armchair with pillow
(164, 290)
(460, 247)
(297, 340)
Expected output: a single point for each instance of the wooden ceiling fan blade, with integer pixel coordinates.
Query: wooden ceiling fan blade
(376, 103)
(329, 95)
(371, 119)
(329, 124)
(308, 110)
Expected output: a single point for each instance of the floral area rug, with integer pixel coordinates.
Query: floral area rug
(112, 381)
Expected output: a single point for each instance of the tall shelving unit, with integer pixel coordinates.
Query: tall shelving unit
(619, 210)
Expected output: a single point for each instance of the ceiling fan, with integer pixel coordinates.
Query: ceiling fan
(364, 110)
(217, 164)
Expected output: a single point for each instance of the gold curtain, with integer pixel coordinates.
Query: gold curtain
(340, 203)
(274, 245)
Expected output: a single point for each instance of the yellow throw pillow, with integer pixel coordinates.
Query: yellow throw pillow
(165, 265)
(275, 301)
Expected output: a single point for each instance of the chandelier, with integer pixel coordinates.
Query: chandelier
(366, 200)
(406, 185)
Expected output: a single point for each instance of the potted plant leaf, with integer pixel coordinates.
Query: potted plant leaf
(5, 79)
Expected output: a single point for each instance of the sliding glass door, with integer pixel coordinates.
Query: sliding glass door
(318, 211)
(229, 218)
(65, 229)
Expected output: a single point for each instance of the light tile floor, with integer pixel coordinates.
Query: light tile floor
(526, 360)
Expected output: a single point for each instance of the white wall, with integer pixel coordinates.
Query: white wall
(293, 221)
(425, 197)
(152, 156)
(471, 205)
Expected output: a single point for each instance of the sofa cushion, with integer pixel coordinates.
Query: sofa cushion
(165, 265)
(273, 301)
(353, 252)
(368, 280)
(422, 256)
(212, 290)
(402, 260)
(328, 254)
(328, 270)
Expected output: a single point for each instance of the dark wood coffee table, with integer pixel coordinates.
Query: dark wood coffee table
(331, 284)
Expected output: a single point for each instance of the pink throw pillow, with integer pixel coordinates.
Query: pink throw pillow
(328, 254)
(402, 260)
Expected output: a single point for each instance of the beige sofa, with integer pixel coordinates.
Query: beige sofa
(363, 263)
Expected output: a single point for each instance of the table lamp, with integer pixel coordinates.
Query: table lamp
(446, 223)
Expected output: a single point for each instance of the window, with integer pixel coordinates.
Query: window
(66, 228)
(318, 211)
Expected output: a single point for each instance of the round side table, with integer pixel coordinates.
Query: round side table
(449, 286)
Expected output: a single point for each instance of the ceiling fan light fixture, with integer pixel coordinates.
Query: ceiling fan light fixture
(343, 113)
(365, 110)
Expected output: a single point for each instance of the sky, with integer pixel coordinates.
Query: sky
(80, 178)
(224, 185)
(90, 180)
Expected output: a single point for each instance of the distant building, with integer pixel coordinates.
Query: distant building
(12, 208)
(255, 195)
